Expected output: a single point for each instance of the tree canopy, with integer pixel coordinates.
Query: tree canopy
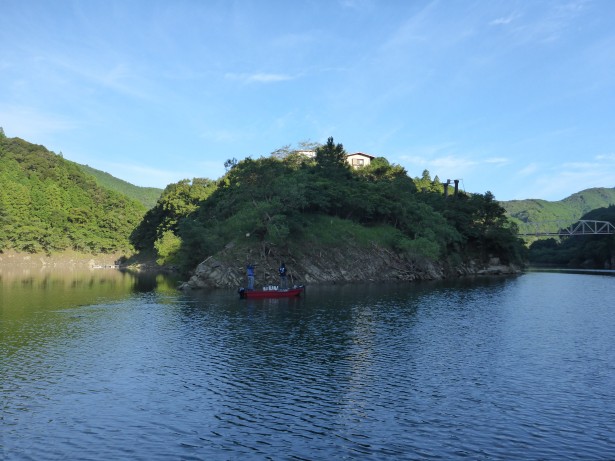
(586, 251)
(49, 204)
(276, 200)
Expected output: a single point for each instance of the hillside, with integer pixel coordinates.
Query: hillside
(569, 209)
(48, 204)
(146, 195)
(294, 206)
(588, 251)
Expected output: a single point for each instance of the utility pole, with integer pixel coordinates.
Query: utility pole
(447, 183)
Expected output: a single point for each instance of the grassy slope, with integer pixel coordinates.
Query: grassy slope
(146, 195)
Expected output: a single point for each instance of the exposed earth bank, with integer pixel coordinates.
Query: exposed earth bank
(64, 259)
(227, 269)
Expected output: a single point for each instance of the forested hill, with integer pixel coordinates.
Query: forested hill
(148, 196)
(49, 204)
(295, 204)
(569, 209)
(588, 251)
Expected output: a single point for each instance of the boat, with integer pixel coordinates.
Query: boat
(271, 292)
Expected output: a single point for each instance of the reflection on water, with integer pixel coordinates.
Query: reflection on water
(510, 368)
(23, 288)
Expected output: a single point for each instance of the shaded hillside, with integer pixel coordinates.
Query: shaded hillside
(49, 204)
(146, 195)
(285, 205)
(586, 251)
(569, 209)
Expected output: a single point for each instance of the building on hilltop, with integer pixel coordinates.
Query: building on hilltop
(359, 159)
(356, 160)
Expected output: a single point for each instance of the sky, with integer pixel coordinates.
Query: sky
(512, 97)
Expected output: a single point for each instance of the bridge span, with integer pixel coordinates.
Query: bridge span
(564, 228)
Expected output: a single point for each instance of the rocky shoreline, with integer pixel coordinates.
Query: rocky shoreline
(330, 265)
(65, 259)
(314, 266)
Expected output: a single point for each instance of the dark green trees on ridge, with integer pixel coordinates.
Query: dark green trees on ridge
(48, 204)
(282, 200)
(586, 251)
(286, 200)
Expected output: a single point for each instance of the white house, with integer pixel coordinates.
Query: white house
(359, 159)
(356, 160)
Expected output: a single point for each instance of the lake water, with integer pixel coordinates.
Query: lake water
(103, 365)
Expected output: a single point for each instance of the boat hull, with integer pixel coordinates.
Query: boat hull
(255, 294)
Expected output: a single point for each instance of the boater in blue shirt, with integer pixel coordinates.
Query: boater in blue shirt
(250, 274)
(283, 281)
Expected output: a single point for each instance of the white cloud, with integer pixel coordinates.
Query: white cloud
(145, 176)
(497, 160)
(550, 24)
(116, 76)
(560, 181)
(414, 160)
(260, 77)
(504, 20)
(528, 170)
(453, 162)
(606, 157)
(31, 124)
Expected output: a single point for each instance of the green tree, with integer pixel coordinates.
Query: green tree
(49, 204)
(331, 158)
(177, 201)
(282, 199)
(167, 247)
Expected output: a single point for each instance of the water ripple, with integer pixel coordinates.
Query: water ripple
(491, 371)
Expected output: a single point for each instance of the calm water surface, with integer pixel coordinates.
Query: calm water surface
(104, 365)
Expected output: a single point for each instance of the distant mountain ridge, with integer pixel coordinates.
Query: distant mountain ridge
(148, 196)
(570, 209)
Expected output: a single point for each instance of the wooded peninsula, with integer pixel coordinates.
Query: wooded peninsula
(329, 220)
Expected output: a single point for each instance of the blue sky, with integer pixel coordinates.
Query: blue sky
(512, 97)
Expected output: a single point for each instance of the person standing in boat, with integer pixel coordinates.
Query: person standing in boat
(283, 281)
(250, 274)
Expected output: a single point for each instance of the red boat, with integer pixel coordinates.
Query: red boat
(284, 293)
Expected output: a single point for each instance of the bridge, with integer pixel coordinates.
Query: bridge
(565, 229)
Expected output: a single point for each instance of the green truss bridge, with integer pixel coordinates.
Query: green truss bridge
(565, 229)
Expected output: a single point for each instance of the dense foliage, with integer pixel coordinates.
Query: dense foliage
(148, 196)
(291, 199)
(49, 204)
(568, 210)
(159, 228)
(589, 251)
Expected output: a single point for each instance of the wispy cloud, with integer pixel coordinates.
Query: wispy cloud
(452, 162)
(220, 135)
(356, 4)
(449, 165)
(145, 176)
(543, 25)
(557, 181)
(504, 20)
(606, 158)
(260, 77)
(115, 75)
(497, 160)
(32, 124)
(528, 170)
